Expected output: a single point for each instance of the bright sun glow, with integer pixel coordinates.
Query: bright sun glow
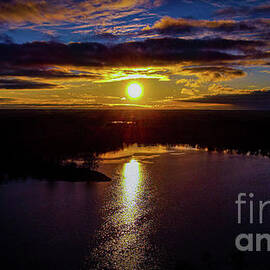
(134, 90)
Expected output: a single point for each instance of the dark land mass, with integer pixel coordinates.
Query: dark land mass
(39, 143)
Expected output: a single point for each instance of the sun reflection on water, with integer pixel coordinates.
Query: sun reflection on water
(123, 236)
(131, 183)
(129, 245)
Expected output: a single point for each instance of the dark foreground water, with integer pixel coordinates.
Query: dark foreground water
(165, 208)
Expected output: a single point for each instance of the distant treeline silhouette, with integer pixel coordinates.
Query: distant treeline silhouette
(39, 143)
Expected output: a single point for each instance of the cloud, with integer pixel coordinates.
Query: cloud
(218, 89)
(90, 105)
(214, 73)
(189, 83)
(23, 84)
(153, 52)
(245, 10)
(171, 26)
(255, 99)
(48, 11)
(252, 29)
(206, 60)
(122, 73)
(208, 78)
(30, 11)
(105, 37)
(189, 92)
(6, 100)
(46, 73)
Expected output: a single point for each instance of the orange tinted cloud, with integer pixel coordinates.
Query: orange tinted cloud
(254, 29)
(169, 25)
(213, 73)
(19, 11)
(167, 22)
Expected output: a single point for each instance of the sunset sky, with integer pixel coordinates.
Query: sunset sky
(184, 54)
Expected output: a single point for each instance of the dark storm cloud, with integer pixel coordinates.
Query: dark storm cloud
(23, 84)
(149, 52)
(258, 99)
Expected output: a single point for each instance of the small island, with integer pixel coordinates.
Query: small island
(52, 169)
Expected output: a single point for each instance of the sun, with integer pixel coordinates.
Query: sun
(134, 90)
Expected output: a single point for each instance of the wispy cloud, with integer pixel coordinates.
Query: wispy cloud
(245, 10)
(20, 11)
(192, 28)
(23, 84)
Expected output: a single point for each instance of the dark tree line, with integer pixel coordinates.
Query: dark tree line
(46, 143)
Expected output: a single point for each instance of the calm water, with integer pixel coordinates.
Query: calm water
(166, 208)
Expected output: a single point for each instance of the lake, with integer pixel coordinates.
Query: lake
(166, 207)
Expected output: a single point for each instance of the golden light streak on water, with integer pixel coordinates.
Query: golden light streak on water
(131, 188)
(124, 232)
